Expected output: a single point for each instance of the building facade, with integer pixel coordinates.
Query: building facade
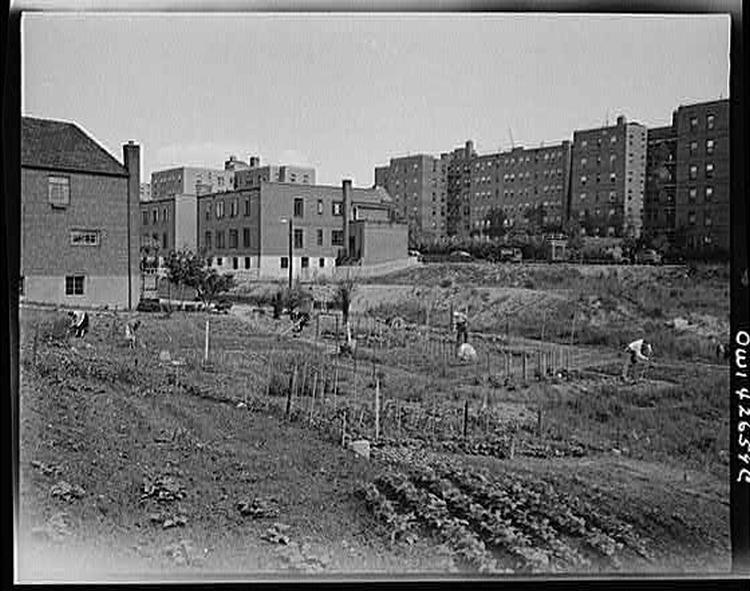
(79, 218)
(247, 232)
(417, 185)
(608, 179)
(702, 176)
(255, 174)
(145, 192)
(659, 207)
(168, 224)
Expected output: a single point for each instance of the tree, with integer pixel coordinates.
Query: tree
(573, 234)
(188, 269)
(495, 220)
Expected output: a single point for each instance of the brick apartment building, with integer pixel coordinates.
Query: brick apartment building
(659, 206)
(145, 192)
(169, 224)
(702, 175)
(79, 218)
(246, 232)
(608, 179)
(417, 185)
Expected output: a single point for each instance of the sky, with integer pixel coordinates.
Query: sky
(346, 92)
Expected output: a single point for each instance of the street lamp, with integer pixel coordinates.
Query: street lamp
(291, 258)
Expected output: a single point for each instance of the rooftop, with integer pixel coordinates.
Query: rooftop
(60, 145)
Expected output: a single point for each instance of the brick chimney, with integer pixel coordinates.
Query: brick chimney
(346, 189)
(131, 158)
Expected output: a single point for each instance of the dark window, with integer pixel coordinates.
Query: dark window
(320, 237)
(320, 207)
(164, 243)
(208, 212)
(219, 261)
(337, 207)
(154, 216)
(298, 238)
(145, 218)
(233, 237)
(247, 207)
(710, 119)
(691, 218)
(284, 262)
(247, 262)
(220, 239)
(207, 240)
(337, 238)
(245, 237)
(321, 263)
(305, 262)
(235, 263)
(299, 207)
(74, 284)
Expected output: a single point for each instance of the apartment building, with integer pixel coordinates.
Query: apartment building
(168, 224)
(255, 174)
(417, 185)
(79, 218)
(659, 207)
(145, 192)
(608, 179)
(702, 176)
(247, 232)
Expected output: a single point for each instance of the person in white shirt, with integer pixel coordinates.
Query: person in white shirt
(636, 352)
(79, 322)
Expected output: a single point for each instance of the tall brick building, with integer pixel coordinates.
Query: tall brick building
(79, 218)
(702, 174)
(246, 232)
(608, 179)
(417, 185)
(659, 207)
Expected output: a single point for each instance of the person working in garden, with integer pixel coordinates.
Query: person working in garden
(637, 351)
(460, 321)
(79, 322)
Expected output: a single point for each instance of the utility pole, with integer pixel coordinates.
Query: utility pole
(291, 253)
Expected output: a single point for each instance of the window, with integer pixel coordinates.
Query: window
(710, 119)
(207, 240)
(58, 191)
(583, 162)
(299, 207)
(584, 143)
(693, 123)
(154, 216)
(709, 193)
(74, 284)
(233, 238)
(220, 239)
(707, 220)
(247, 262)
(710, 147)
(284, 262)
(709, 170)
(691, 218)
(320, 207)
(298, 236)
(319, 240)
(693, 172)
(612, 177)
(612, 160)
(321, 262)
(337, 238)
(164, 214)
(338, 206)
(612, 196)
(84, 237)
(235, 263)
(219, 209)
(245, 237)
(305, 262)
(247, 207)
(219, 262)
(233, 208)
(583, 180)
(145, 218)
(693, 148)
(613, 139)
(692, 193)
(208, 212)
(164, 242)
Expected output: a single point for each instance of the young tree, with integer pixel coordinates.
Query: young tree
(496, 218)
(188, 269)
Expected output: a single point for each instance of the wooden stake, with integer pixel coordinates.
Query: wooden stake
(525, 366)
(377, 409)
(205, 352)
(539, 422)
(343, 428)
(398, 417)
(292, 387)
(338, 348)
(512, 445)
(466, 418)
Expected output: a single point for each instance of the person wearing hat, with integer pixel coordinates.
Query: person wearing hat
(637, 351)
(79, 322)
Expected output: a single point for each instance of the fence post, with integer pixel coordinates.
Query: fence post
(512, 445)
(205, 351)
(312, 397)
(343, 428)
(525, 366)
(317, 326)
(539, 422)
(466, 418)
(377, 409)
(398, 417)
(270, 375)
(35, 343)
(337, 335)
(292, 387)
(510, 364)
(303, 382)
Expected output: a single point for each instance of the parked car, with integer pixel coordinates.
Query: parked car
(648, 257)
(510, 255)
(417, 254)
(460, 255)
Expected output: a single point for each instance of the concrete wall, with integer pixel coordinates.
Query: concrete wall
(380, 242)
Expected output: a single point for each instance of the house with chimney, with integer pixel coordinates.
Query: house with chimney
(79, 218)
(252, 232)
